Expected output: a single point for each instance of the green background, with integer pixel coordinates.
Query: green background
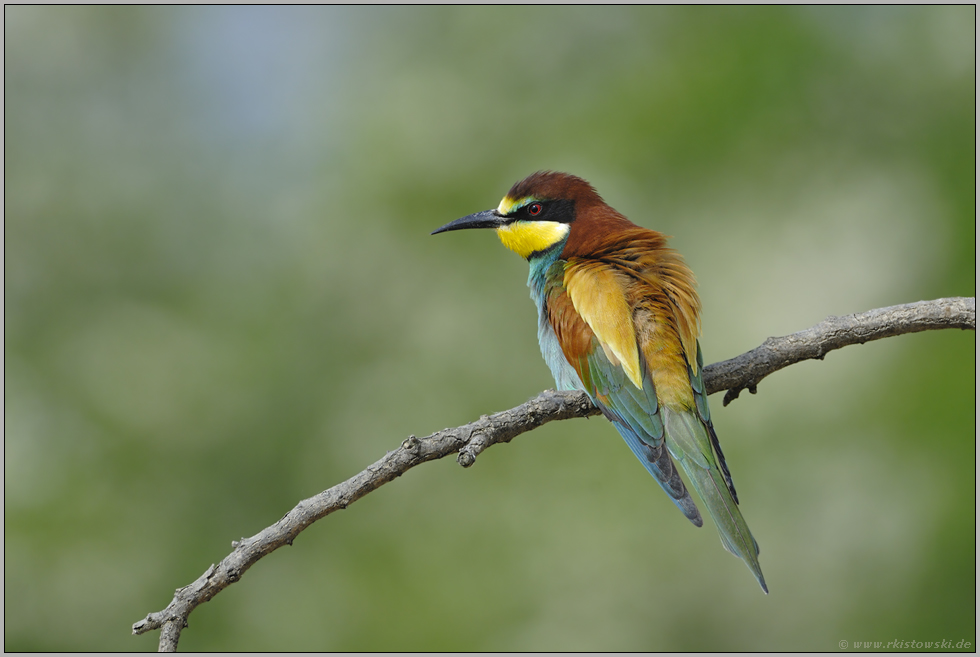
(221, 297)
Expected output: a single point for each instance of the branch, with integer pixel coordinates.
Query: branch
(746, 371)
(468, 441)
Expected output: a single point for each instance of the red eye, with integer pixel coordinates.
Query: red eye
(534, 209)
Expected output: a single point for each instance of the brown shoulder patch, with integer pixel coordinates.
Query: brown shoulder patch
(574, 335)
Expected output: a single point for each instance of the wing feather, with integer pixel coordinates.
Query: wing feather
(599, 352)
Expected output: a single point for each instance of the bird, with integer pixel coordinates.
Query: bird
(619, 319)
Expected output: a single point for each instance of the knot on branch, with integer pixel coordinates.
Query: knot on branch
(476, 444)
(411, 444)
(733, 393)
(465, 458)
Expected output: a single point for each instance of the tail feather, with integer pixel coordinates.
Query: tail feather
(658, 463)
(688, 441)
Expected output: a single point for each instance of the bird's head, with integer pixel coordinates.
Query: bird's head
(540, 212)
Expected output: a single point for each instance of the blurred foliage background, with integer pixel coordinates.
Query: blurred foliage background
(220, 297)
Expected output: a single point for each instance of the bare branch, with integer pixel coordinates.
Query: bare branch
(468, 441)
(746, 371)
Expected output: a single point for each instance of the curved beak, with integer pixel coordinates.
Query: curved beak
(485, 219)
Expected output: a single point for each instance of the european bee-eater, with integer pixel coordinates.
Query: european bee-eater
(619, 318)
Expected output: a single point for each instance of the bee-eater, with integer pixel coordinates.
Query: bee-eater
(619, 319)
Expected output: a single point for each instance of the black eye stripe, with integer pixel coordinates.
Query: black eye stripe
(557, 210)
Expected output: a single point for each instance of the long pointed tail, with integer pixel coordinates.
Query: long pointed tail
(657, 462)
(689, 443)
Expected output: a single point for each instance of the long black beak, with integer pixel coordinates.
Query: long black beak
(485, 219)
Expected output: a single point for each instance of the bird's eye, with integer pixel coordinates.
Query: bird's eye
(534, 209)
